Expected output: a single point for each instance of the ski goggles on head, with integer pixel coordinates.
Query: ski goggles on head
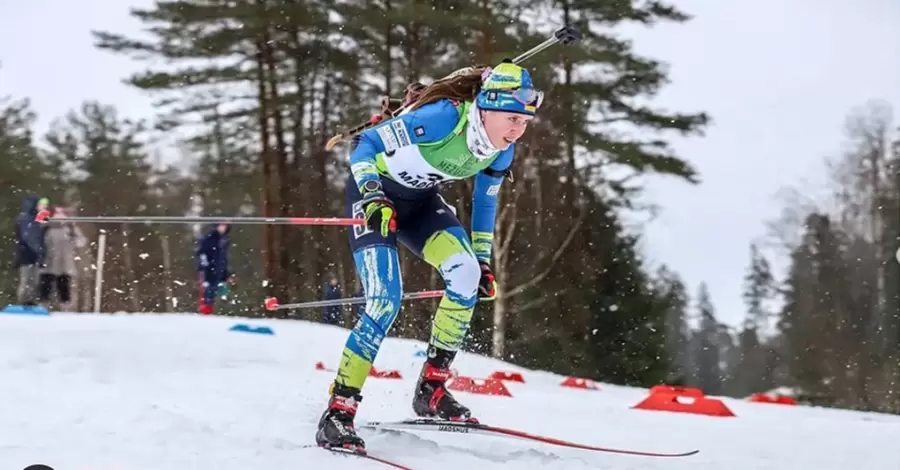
(514, 100)
(528, 96)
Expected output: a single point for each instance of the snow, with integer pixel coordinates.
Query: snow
(177, 391)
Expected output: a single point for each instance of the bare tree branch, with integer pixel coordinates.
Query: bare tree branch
(529, 305)
(556, 256)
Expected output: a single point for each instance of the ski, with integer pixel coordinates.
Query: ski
(478, 428)
(363, 454)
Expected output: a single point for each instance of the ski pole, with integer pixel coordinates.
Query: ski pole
(42, 217)
(564, 35)
(272, 303)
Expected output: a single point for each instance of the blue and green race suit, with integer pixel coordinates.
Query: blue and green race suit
(411, 155)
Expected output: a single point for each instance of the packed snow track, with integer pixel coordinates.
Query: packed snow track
(159, 392)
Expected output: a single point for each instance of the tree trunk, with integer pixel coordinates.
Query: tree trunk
(387, 59)
(569, 128)
(133, 291)
(280, 180)
(167, 270)
(324, 256)
(498, 338)
(304, 94)
(267, 183)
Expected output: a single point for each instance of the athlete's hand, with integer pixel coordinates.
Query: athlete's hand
(379, 212)
(487, 285)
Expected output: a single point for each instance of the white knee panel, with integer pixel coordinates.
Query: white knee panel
(461, 274)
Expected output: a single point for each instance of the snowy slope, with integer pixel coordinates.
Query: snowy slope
(142, 392)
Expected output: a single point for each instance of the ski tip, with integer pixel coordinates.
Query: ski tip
(676, 454)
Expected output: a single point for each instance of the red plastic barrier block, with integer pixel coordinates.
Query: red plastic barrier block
(785, 400)
(384, 374)
(508, 376)
(664, 401)
(578, 382)
(777, 399)
(677, 390)
(477, 386)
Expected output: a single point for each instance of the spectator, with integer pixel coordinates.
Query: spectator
(332, 291)
(212, 265)
(30, 248)
(60, 242)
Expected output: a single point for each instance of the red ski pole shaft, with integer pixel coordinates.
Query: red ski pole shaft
(204, 220)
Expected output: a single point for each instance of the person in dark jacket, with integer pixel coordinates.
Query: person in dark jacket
(30, 248)
(332, 291)
(212, 265)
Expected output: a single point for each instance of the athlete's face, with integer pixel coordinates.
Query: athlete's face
(504, 128)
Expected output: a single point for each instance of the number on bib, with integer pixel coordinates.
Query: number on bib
(421, 181)
(359, 213)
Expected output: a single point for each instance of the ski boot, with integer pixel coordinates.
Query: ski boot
(432, 399)
(336, 427)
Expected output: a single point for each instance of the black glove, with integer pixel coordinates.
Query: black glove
(487, 285)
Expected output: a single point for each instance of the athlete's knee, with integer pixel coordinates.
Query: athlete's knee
(461, 274)
(451, 253)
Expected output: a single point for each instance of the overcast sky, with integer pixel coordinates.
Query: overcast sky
(778, 78)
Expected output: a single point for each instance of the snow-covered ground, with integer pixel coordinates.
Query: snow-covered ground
(158, 392)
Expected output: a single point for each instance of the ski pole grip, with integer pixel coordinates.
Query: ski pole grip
(567, 34)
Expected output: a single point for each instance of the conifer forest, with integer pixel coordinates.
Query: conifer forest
(248, 93)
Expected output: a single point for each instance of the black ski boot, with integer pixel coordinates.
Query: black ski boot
(432, 399)
(336, 427)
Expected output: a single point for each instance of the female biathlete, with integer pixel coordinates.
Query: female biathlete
(457, 128)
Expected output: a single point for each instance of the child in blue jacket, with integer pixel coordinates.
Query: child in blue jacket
(212, 265)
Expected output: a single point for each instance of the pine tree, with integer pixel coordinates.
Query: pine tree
(270, 61)
(618, 95)
(678, 333)
(758, 289)
(751, 373)
(707, 347)
(614, 319)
